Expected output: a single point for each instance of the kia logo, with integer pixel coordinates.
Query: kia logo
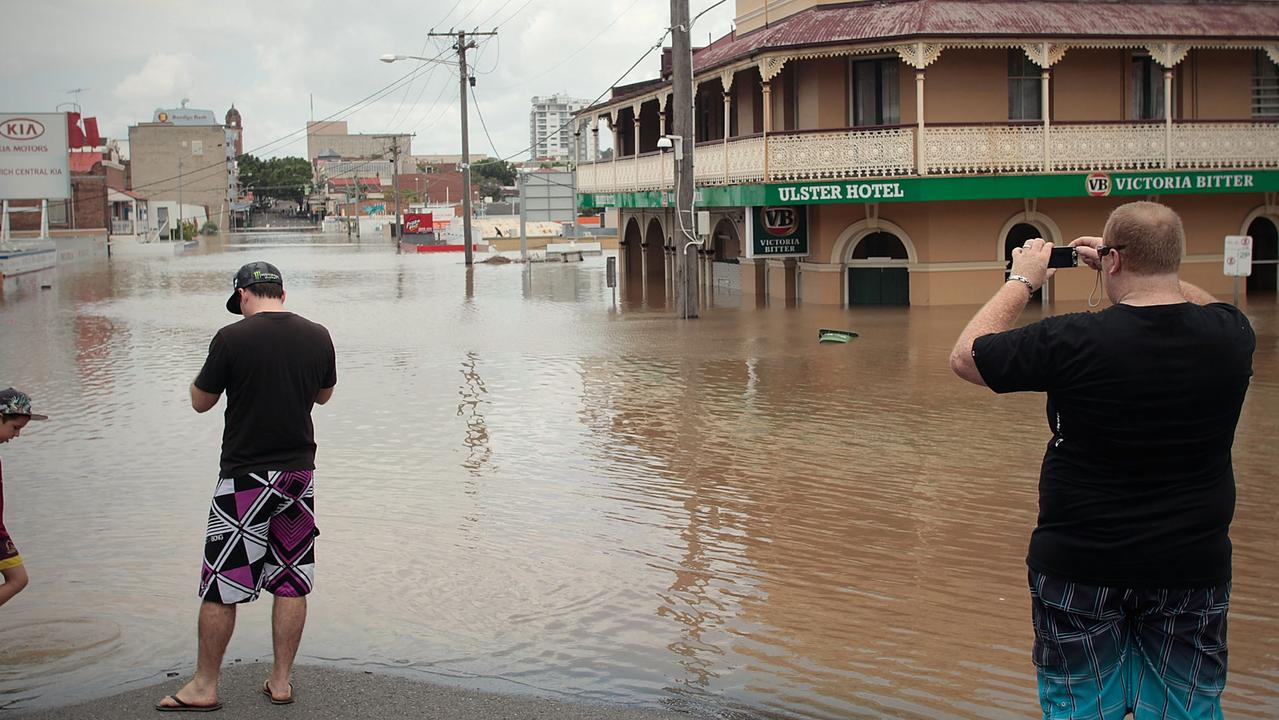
(22, 129)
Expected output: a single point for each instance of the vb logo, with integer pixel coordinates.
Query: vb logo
(780, 221)
(1098, 184)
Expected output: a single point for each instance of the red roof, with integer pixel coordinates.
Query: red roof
(130, 193)
(902, 19)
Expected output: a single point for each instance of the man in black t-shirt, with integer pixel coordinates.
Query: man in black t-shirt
(1129, 563)
(274, 367)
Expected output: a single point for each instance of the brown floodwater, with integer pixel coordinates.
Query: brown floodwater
(525, 487)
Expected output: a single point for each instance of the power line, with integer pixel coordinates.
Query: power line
(483, 124)
(578, 51)
(512, 15)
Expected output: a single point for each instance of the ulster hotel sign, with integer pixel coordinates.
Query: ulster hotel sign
(960, 188)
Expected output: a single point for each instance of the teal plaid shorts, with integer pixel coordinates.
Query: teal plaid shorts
(1103, 652)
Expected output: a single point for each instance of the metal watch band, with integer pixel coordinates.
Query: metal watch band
(1024, 281)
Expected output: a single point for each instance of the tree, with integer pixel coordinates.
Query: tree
(492, 175)
(285, 178)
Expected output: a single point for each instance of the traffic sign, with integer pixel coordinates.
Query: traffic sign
(1238, 261)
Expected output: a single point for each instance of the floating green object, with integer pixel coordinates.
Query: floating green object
(835, 336)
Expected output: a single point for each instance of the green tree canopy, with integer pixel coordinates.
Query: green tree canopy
(285, 178)
(492, 175)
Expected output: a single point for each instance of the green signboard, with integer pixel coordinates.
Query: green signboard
(960, 188)
(777, 231)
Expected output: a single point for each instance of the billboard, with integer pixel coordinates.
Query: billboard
(777, 231)
(33, 157)
(418, 223)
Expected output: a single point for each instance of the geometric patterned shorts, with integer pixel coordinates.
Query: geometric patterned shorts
(1103, 652)
(261, 536)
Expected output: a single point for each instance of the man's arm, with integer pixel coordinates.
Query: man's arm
(1196, 294)
(202, 401)
(1002, 310)
(323, 395)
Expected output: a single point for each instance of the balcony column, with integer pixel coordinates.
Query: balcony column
(919, 123)
(635, 157)
(768, 122)
(1044, 90)
(1168, 118)
(728, 120)
(595, 140)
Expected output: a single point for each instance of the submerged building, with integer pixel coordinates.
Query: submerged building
(895, 151)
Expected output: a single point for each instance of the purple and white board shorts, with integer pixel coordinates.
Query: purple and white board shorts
(261, 536)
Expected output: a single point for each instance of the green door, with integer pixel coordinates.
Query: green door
(878, 286)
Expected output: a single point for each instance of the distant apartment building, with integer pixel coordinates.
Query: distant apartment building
(185, 155)
(332, 140)
(550, 126)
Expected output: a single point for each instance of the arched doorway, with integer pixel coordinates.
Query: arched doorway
(1017, 236)
(631, 249)
(655, 255)
(727, 247)
(877, 271)
(1265, 257)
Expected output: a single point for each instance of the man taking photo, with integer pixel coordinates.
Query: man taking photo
(1129, 563)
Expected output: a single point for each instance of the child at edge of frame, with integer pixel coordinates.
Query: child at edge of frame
(15, 413)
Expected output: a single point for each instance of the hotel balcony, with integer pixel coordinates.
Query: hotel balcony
(950, 150)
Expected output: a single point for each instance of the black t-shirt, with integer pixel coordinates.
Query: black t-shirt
(271, 365)
(1136, 487)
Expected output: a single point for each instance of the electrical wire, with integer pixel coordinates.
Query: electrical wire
(578, 51)
(512, 15)
(475, 101)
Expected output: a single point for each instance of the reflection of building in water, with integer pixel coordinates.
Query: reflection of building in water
(919, 139)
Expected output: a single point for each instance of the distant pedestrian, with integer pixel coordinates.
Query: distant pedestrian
(274, 367)
(15, 413)
(1129, 565)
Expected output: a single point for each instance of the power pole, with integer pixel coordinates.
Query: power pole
(398, 233)
(682, 122)
(462, 46)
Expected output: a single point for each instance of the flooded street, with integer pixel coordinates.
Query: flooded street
(524, 488)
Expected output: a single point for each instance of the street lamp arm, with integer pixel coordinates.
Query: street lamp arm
(394, 57)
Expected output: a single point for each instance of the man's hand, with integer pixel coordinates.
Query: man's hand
(202, 401)
(1086, 246)
(1031, 261)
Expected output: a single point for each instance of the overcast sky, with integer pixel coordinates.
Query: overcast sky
(271, 57)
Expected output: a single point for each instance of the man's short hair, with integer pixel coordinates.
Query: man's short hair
(1151, 236)
(267, 290)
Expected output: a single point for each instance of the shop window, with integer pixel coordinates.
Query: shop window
(1025, 87)
(875, 92)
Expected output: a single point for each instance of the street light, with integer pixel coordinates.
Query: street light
(392, 57)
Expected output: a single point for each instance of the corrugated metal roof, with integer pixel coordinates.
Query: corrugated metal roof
(907, 19)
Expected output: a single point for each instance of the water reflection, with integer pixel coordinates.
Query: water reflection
(720, 515)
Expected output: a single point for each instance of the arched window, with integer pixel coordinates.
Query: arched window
(1265, 256)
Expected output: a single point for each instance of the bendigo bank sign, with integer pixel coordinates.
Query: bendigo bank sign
(777, 231)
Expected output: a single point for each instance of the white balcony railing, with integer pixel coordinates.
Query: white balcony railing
(951, 151)
(121, 227)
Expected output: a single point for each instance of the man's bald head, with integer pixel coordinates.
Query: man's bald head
(1151, 236)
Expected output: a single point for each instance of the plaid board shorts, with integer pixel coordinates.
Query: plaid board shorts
(1102, 652)
(261, 536)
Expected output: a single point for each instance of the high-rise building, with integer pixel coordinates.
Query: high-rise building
(550, 126)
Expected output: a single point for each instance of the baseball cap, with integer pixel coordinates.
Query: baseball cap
(16, 402)
(252, 274)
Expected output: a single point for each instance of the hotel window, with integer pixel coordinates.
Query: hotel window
(1265, 88)
(875, 92)
(1147, 79)
(1025, 87)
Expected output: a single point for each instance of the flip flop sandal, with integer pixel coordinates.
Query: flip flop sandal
(266, 690)
(185, 706)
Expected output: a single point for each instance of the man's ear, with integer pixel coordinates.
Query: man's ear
(1116, 262)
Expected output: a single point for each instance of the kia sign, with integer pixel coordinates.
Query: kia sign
(33, 157)
(777, 231)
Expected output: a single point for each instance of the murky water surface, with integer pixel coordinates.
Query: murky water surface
(523, 487)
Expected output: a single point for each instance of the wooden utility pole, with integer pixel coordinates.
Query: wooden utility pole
(398, 234)
(682, 127)
(462, 46)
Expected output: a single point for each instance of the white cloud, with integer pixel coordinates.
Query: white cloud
(164, 76)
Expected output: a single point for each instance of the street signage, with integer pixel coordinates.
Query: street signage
(33, 157)
(1238, 262)
(960, 188)
(418, 223)
(777, 231)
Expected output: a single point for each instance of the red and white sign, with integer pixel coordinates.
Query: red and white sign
(1098, 184)
(418, 223)
(1238, 256)
(33, 157)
